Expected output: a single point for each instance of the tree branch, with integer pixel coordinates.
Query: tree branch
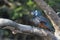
(27, 28)
(51, 14)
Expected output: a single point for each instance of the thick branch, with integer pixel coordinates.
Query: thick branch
(51, 14)
(26, 28)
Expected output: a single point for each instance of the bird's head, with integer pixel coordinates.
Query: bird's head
(36, 13)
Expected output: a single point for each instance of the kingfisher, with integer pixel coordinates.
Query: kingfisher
(41, 21)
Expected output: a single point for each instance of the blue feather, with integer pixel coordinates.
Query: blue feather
(36, 13)
(38, 17)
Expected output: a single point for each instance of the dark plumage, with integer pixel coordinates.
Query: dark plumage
(38, 20)
(41, 21)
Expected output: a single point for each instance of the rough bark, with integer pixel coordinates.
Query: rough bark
(20, 28)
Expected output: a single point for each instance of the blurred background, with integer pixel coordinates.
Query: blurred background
(20, 12)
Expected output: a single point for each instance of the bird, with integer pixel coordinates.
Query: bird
(38, 20)
(41, 21)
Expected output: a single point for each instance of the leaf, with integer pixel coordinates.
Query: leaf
(18, 9)
(30, 3)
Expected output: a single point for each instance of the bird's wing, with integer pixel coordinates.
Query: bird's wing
(47, 23)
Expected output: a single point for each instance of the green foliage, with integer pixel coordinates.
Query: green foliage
(31, 4)
(55, 4)
(18, 9)
(51, 3)
(25, 8)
